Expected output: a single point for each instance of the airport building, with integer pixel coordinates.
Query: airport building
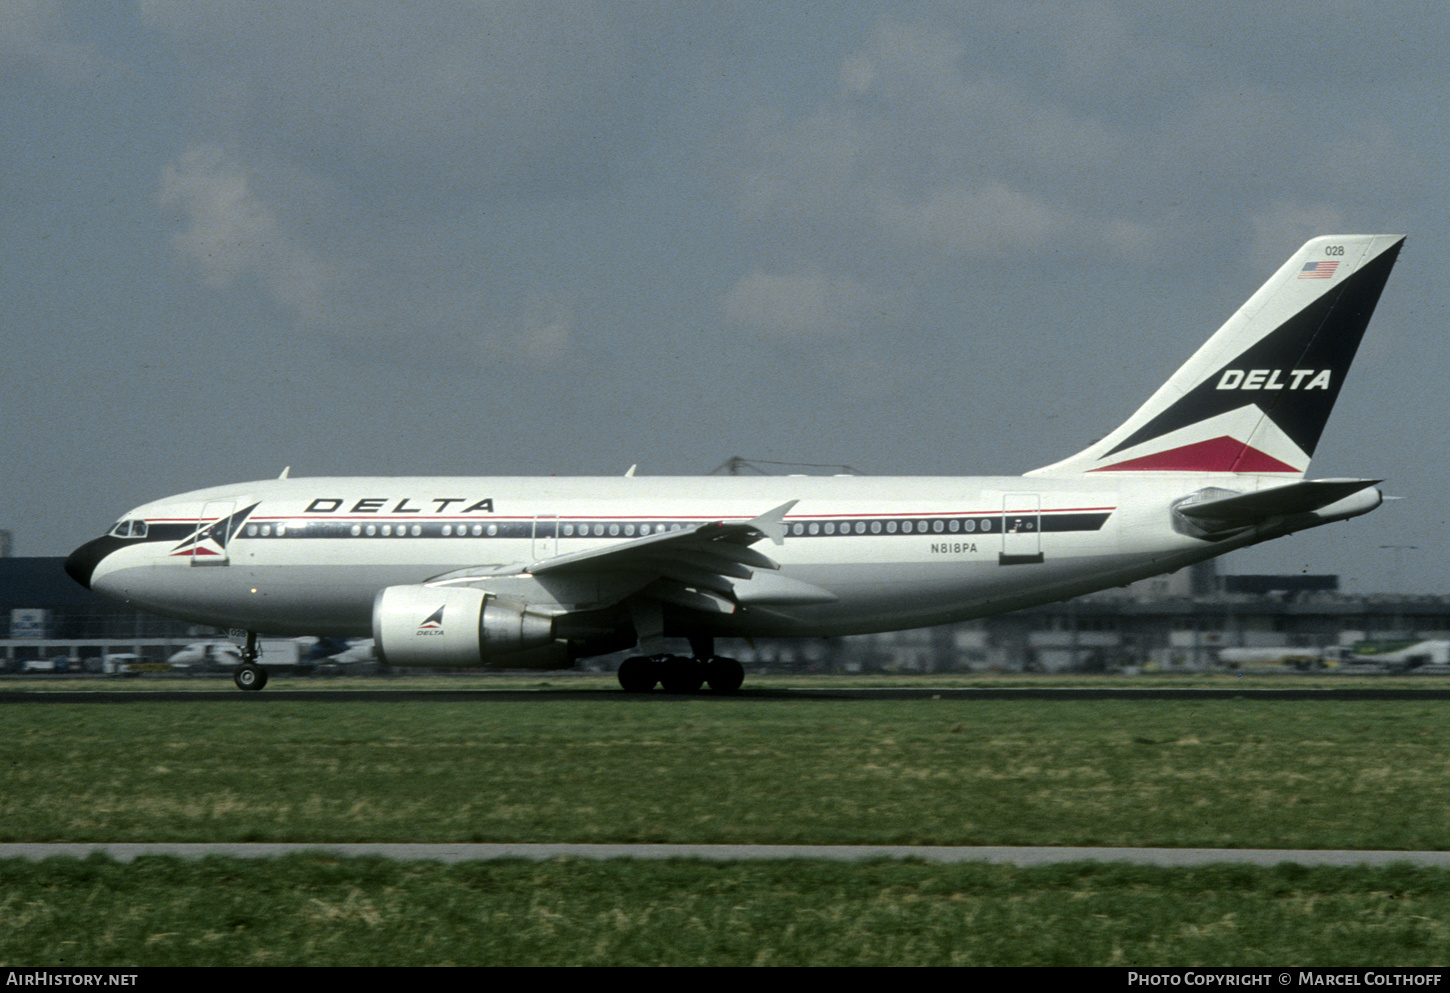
(44, 614)
(1171, 623)
(1125, 632)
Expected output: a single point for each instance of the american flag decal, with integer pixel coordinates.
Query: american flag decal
(1318, 270)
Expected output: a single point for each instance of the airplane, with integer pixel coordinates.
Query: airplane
(542, 572)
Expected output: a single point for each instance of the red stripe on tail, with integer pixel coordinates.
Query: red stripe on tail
(1222, 454)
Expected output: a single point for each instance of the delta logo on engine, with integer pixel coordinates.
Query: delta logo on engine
(432, 626)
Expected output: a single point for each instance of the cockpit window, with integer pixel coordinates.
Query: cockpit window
(129, 529)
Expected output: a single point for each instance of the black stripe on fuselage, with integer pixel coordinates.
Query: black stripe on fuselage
(590, 527)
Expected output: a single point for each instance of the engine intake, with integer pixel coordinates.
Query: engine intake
(455, 626)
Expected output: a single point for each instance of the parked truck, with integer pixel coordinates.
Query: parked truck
(1399, 656)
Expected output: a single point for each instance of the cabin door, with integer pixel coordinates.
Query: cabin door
(546, 537)
(213, 533)
(1021, 528)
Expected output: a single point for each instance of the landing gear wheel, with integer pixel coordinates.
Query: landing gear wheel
(638, 674)
(724, 675)
(249, 677)
(682, 675)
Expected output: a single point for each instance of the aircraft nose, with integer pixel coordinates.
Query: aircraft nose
(81, 564)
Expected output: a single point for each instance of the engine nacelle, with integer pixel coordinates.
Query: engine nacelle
(455, 626)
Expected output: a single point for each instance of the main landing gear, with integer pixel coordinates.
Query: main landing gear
(249, 676)
(678, 674)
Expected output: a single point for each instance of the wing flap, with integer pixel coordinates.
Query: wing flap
(781, 591)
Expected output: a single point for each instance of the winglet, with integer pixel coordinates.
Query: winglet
(772, 522)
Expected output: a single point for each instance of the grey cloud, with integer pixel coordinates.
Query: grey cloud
(516, 96)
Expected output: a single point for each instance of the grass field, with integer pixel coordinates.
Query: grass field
(318, 910)
(1227, 773)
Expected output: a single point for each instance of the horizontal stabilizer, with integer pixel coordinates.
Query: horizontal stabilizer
(1243, 510)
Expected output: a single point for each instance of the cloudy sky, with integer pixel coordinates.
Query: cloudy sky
(386, 237)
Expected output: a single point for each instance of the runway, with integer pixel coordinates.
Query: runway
(385, 694)
(1001, 855)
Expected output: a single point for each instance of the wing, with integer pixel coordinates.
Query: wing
(708, 566)
(725, 541)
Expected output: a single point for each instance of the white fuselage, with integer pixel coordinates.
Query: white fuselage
(311, 554)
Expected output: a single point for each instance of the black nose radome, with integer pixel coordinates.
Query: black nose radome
(81, 564)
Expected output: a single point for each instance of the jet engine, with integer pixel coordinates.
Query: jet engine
(462, 627)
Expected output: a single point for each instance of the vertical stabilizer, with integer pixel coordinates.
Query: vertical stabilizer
(1256, 396)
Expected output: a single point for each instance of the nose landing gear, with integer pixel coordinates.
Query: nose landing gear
(249, 676)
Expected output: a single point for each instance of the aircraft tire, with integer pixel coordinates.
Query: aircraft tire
(249, 678)
(638, 674)
(724, 675)
(682, 675)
